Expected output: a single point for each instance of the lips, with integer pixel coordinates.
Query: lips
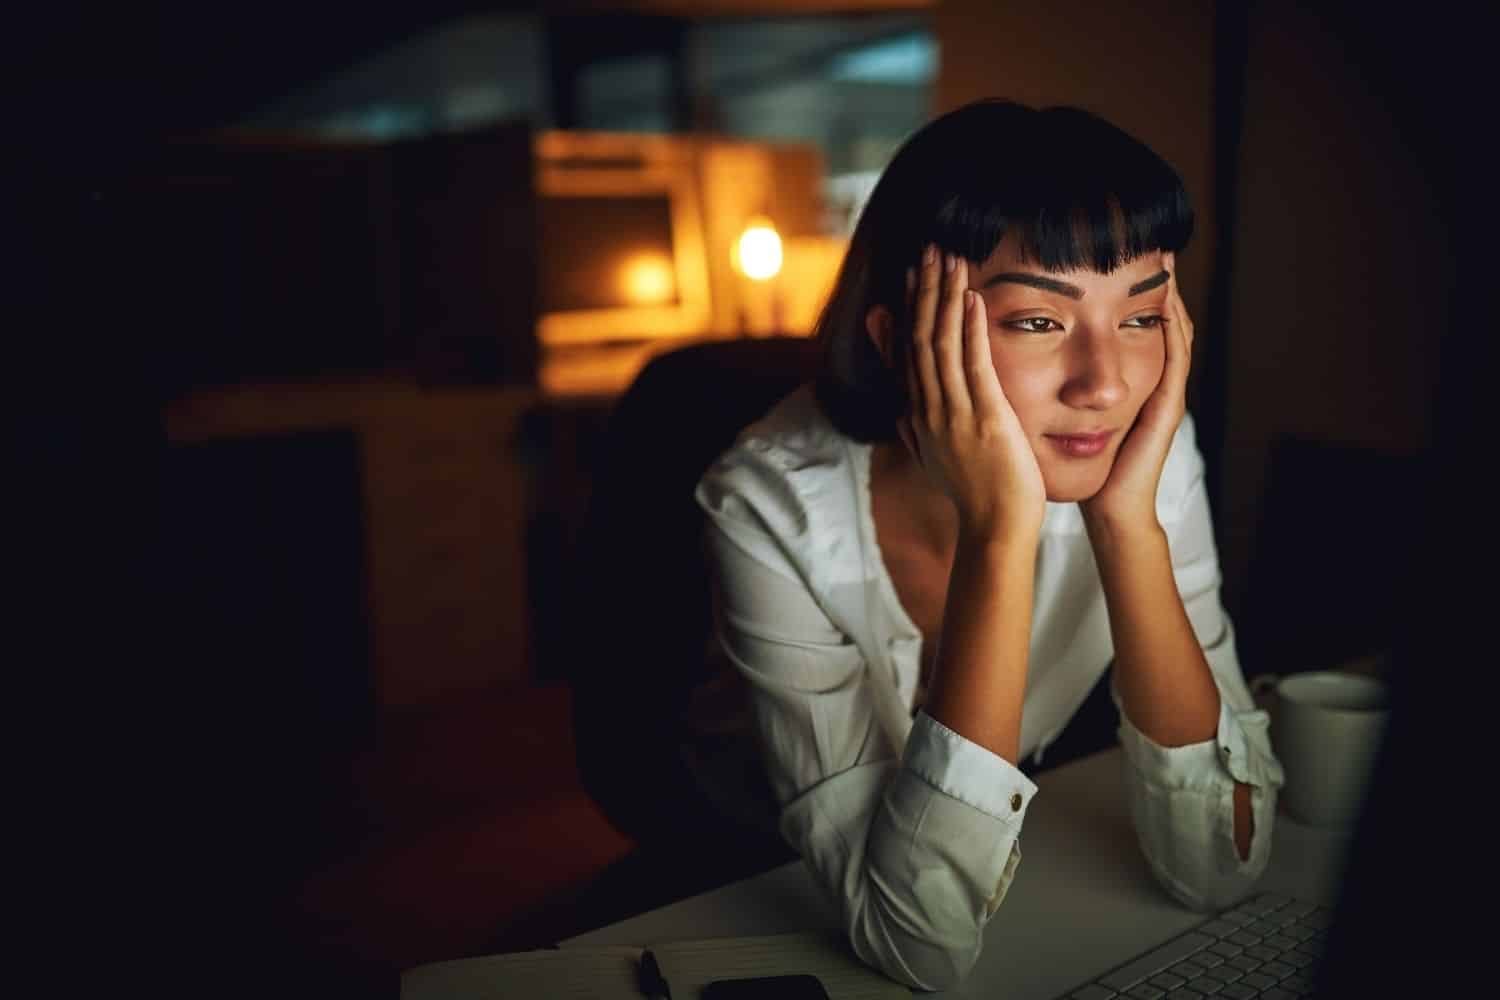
(1081, 445)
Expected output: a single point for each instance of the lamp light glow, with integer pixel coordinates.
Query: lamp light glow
(647, 279)
(758, 250)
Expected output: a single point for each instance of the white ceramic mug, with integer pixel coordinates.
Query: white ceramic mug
(1326, 728)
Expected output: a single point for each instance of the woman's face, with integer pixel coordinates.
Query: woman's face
(1077, 352)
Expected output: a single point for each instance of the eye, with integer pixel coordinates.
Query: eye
(1146, 322)
(1020, 324)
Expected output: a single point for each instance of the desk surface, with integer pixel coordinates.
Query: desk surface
(1082, 902)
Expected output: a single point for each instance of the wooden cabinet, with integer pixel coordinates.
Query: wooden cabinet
(444, 499)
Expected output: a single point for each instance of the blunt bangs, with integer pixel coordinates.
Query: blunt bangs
(1075, 191)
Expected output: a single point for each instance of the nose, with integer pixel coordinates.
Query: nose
(1096, 378)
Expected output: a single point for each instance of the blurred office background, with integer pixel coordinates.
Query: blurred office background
(376, 280)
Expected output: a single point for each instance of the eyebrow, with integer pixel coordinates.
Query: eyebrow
(1063, 288)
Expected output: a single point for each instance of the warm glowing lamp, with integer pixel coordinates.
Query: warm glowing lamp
(647, 279)
(758, 250)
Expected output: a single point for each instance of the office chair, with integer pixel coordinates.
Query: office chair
(641, 639)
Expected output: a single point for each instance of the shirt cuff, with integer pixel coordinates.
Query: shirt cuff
(966, 771)
(1234, 750)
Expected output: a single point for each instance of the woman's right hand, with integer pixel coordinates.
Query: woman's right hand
(960, 427)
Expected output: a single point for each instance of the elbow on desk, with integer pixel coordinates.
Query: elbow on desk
(914, 961)
(1189, 845)
(1208, 884)
(911, 948)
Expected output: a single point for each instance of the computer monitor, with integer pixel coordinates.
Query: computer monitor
(621, 245)
(1407, 921)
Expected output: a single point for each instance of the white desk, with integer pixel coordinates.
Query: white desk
(1082, 901)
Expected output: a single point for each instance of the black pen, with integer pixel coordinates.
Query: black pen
(653, 984)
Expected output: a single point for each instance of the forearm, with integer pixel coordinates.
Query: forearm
(1163, 678)
(980, 674)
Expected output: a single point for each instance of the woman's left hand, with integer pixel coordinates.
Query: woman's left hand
(1128, 497)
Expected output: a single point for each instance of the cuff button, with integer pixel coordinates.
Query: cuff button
(1015, 802)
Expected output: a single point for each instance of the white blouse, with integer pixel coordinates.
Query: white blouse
(912, 829)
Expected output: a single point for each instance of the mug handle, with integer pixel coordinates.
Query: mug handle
(1262, 685)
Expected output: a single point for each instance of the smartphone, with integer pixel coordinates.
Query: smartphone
(801, 987)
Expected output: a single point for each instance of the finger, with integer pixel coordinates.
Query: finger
(911, 294)
(927, 395)
(1174, 299)
(909, 438)
(1184, 321)
(1175, 375)
(979, 365)
(948, 338)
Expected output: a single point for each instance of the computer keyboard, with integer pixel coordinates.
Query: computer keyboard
(1267, 947)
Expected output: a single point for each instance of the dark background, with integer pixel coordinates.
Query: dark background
(133, 842)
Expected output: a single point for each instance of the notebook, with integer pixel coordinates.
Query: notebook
(612, 972)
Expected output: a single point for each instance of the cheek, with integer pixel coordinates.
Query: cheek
(1143, 366)
(1031, 386)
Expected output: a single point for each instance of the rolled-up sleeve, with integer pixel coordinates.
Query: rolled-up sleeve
(916, 844)
(1182, 798)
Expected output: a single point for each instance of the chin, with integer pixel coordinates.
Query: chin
(1074, 486)
(1065, 496)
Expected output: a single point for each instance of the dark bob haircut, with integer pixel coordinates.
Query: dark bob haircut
(1077, 192)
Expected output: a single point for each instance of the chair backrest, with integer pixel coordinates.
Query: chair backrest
(643, 606)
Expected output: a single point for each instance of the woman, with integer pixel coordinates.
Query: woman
(992, 494)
